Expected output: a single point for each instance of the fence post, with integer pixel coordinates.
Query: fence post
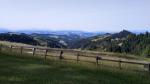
(11, 48)
(45, 54)
(0, 47)
(34, 51)
(149, 68)
(120, 64)
(21, 49)
(77, 57)
(61, 53)
(97, 58)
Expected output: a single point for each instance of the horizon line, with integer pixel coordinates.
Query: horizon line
(67, 30)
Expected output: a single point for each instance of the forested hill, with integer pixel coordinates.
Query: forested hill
(101, 42)
(122, 42)
(65, 41)
(20, 38)
(137, 44)
(49, 40)
(30, 39)
(122, 34)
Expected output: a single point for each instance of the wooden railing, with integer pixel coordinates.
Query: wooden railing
(77, 53)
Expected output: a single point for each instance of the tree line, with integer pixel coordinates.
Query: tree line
(134, 44)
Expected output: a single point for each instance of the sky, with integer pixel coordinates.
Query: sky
(82, 15)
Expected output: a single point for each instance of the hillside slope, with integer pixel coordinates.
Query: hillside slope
(64, 41)
(102, 42)
(41, 40)
(20, 38)
(122, 42)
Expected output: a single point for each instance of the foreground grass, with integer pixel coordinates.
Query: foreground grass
(15, 69)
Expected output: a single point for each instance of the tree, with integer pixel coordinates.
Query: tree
(147, 51)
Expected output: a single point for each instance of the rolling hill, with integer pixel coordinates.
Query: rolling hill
(103, 41)
(122, 42)
(20, 38)
(54, 40)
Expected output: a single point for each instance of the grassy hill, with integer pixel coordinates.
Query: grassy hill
(16, 69)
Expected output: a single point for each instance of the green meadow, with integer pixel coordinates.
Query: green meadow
(26, 69)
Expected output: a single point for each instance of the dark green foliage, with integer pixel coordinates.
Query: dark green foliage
(115, 48)
(147, 51)
(134, 44)
(51, 40)
(21, 38)
(121, 34)
(106, 42)
(122, 42)
(42, 40)
(54, 40)
(137, 44)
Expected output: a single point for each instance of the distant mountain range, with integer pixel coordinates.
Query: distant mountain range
(56, 39)
(3, 30)
(53, 39)
(67, 32)
(81, 33)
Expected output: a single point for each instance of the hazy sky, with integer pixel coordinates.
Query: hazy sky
(87, 15)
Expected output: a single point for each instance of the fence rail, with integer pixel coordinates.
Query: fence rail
(77, 53)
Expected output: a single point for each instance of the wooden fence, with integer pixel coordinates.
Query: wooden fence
(77, 53)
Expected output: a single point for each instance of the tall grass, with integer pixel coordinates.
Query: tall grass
(25, 69)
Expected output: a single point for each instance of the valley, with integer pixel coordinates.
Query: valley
(124, 42)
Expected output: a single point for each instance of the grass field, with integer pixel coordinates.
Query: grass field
(13, 43)
(16, 69)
